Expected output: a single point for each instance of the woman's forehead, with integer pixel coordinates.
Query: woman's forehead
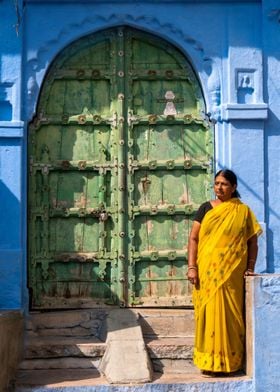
(221, 178)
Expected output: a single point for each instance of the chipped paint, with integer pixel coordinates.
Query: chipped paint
(184, 198)
(174, 231)
(150, 226)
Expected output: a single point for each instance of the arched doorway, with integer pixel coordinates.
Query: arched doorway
(120, 158)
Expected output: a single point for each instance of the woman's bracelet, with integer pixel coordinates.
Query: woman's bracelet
(193, 267)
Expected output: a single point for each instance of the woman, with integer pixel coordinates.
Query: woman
(222, 249)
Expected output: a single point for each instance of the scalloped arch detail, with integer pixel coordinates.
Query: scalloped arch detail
(151, 24)
(39, 64)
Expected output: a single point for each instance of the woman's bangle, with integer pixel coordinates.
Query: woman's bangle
(193, 267)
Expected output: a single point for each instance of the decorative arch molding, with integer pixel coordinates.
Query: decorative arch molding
(205, 68)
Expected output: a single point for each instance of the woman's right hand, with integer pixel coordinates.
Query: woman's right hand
(193, 276)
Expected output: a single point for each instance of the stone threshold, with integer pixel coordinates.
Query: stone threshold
(83, 379)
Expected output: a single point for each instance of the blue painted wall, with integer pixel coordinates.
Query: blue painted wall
(271, 55)
(12, 277)
(234, 48)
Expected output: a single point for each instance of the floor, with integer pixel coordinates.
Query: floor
(86, 377)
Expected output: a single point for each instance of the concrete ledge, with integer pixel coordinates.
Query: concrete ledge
(11, 345)
(265, 316)
(249, 326)
(245, 111)
(11, 129)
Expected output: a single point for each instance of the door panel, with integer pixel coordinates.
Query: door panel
(120, 158)
(170, 148)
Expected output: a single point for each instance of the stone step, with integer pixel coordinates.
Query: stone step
(161, 365)
(169, 355)
(65, 323)
(90, 322)
(166, 322)
(170, 348)
(60, 363)
(84, 380)
(64, 350)
(174, 366)
(75, 339)
(58, 347)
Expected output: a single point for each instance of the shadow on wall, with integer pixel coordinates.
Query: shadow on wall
(10, 257)
(6, 109)
(9, 219)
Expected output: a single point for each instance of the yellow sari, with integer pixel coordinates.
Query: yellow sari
(218, 301)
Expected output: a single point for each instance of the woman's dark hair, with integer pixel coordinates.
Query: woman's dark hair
(231, 177)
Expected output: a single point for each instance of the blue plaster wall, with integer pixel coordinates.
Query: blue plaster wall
(234, 48)
(271, 44)
(12, 276)
(266, 333)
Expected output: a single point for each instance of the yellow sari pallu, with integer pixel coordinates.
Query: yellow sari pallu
(218, 301)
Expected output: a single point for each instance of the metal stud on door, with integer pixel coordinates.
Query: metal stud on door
(120, 158)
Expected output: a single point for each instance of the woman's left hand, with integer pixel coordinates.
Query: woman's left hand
(249, 273)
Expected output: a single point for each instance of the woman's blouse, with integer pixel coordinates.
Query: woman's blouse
(203, 209)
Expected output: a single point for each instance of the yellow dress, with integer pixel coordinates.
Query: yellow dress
(218, 301)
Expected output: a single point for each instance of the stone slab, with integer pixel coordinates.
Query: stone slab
(126, 362)
(122, 324)
(126, 359)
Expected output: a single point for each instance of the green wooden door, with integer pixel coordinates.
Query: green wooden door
(120, 158)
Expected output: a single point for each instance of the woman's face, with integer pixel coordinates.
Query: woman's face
(223, 188)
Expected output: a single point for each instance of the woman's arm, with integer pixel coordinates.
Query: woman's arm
(192, 254)
(252, 245)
